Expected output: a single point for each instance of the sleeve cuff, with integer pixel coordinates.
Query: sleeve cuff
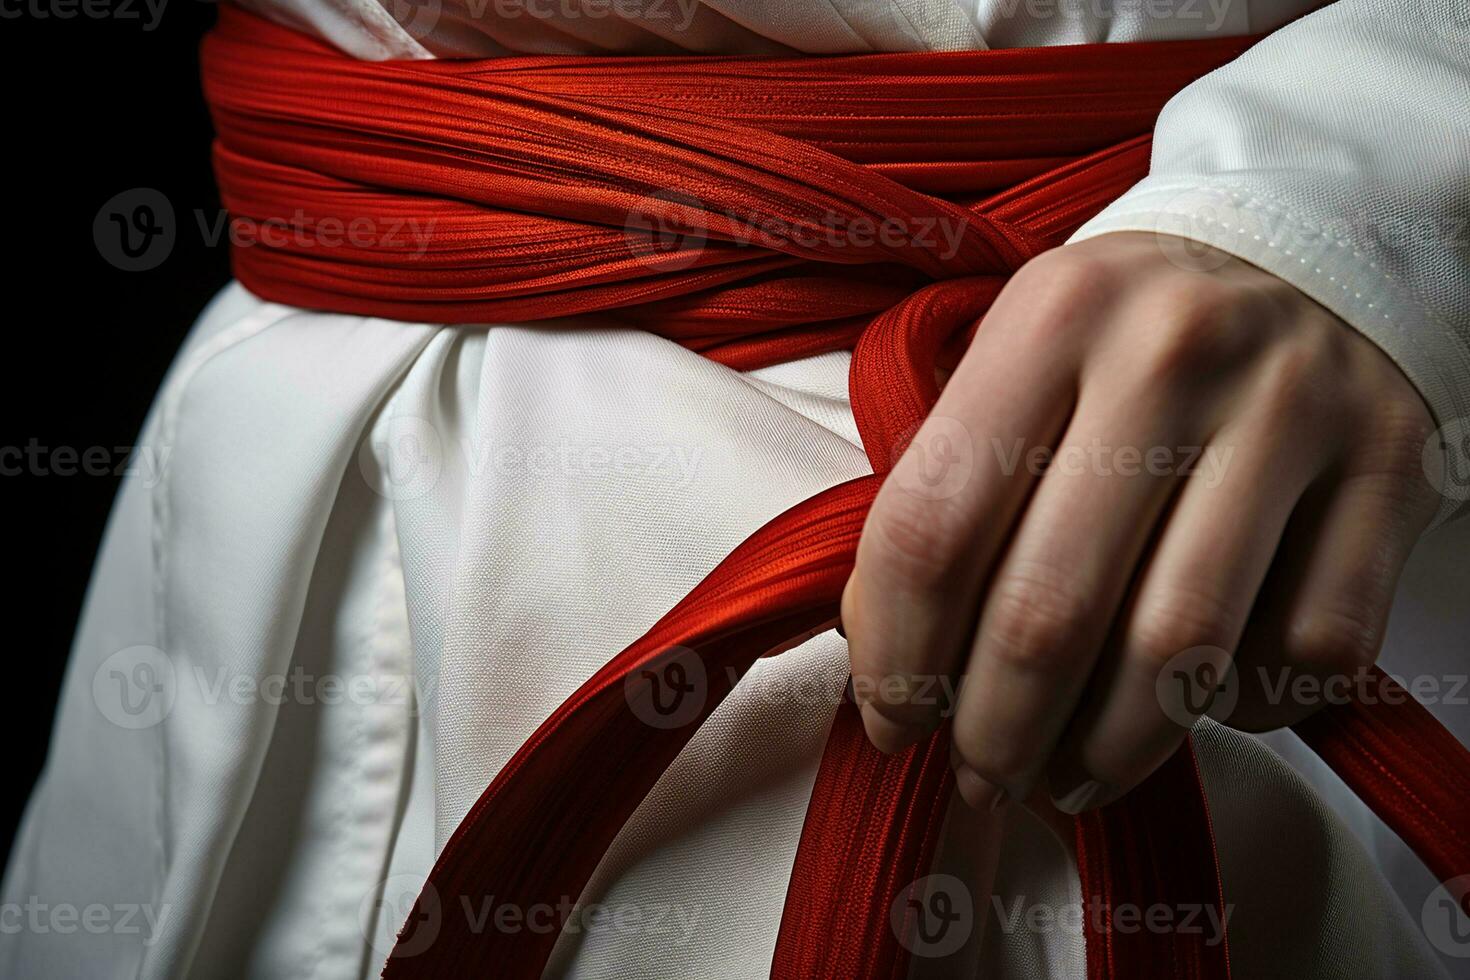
(1332, 269)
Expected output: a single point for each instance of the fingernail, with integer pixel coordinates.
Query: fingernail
(889, 736)
(1080, 798)
(979, 792)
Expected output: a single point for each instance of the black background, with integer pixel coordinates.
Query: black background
(96, 104)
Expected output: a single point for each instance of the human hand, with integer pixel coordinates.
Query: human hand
(1235, 472)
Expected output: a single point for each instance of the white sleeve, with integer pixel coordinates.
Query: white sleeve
(1335, 154)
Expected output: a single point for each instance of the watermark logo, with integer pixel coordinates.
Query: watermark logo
(136, 687)
(650, 464)
(402, 904)
(1197, 228)
(148, 13)
(670, 15)
(417, 17)
(1364, 686)
(1201, 680)
(670, 690)
(669, 230)
(403, 458)
(938, 691)
(139, 686)
(1446, 459)
(1207, 15)
(302, 231)
(941, 459)
(38, 917)
(1097, 458)
(934, 916)
(1446, 917)
(146, 463)
(135, 230)
(666, 244)
(1106, 918)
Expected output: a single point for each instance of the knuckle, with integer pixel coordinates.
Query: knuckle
(1334, 641)
(1193, 334)
(1272, 300)
(1295, 385)
(1033, 620)
(1180, 622)
(918, 544)
(1073, 272)
(1059, 282)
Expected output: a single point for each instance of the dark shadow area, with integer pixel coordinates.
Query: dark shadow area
(103, 102)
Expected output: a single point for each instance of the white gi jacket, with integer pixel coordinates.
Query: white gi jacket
(380, 554)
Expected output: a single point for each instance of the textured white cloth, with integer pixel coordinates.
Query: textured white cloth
(381, 553)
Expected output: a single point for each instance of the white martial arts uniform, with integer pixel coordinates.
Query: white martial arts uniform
(380, 554)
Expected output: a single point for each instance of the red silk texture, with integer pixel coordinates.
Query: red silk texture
(756, 210)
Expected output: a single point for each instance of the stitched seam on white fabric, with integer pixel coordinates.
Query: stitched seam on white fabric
(376, 630)
(346, 794)
(1442, 389)
(390, 567)
(247, 326)
(376, 657)
(1407, 336)
(1262, 204)
(1438, 391)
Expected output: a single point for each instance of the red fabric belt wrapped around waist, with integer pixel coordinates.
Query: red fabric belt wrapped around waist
(756, 210)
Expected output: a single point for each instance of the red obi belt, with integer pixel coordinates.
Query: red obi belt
(756, 210)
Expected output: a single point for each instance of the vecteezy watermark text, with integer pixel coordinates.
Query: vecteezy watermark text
(37, 459)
